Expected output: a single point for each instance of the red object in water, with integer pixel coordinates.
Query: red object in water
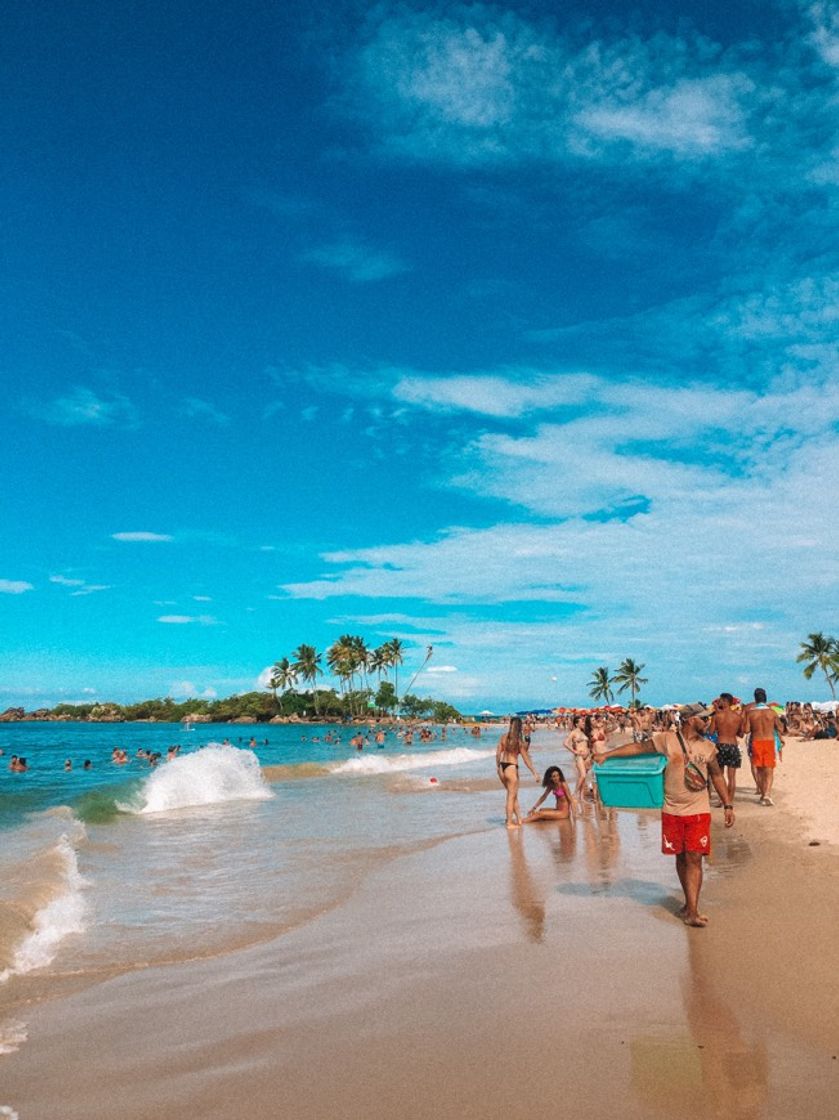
(433, 781)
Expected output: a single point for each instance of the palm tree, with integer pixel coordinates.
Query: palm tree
(346, 657)
(307, 665)
(629, 677)
(283, 676)
(395, 657)
(377, 663)
(338, 661)
(822, 653)
(600, 685)
(362, 658)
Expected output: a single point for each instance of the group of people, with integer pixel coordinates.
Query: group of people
(701, 746)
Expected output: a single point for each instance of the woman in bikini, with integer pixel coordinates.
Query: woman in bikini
(511, 747)
(578, 744)
(555, 783)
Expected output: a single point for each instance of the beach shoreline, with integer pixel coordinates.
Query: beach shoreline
(404, 996)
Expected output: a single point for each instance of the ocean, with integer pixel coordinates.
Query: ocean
(117, 868)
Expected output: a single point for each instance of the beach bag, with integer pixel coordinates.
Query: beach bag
(695, 780)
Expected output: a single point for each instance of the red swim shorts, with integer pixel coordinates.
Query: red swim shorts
(686, 834)
(763, 753)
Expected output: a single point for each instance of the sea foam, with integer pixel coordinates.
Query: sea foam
(13, 1034)
(212, 775)
(39, 913)
(391, 764)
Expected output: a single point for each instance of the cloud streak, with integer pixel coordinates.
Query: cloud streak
(83, 407)
(141, 535)
(357, 262)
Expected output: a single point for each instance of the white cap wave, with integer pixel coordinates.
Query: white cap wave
(376, 763)
(212, 775)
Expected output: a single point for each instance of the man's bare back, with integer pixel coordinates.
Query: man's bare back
(761, 722)
(726, 722)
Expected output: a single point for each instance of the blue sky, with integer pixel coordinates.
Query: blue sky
(506, 328)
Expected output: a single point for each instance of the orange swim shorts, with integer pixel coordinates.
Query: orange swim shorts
(763, 753)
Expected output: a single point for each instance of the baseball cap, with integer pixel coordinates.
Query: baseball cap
(688, 710)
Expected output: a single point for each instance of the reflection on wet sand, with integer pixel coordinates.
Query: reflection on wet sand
(601, 842)
(708, 1070)
(525, 894)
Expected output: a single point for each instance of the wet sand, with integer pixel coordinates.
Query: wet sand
(494, 975)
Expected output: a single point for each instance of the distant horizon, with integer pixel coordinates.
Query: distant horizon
(492, 327)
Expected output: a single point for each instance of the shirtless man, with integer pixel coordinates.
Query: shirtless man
(726, 723)
(642, 722)
(761, 723)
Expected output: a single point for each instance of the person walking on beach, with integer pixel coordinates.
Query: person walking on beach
(511, 747)
(686, 815)
(725, 722)
(762, 724)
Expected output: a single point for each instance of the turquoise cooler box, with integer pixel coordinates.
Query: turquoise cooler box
(632, 783)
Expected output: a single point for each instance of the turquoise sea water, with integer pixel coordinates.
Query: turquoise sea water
(120, 867)
(123, 868)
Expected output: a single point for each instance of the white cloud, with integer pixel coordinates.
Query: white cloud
(495, 394)
(81, 587)
(441, 669)
(187, 619)
(83, 406)
(187, 690)
(14, 587)
(141, 536)
(357, 262)
(728, 530)
(825, 36)
(197, 409)
(701, 116)
(481, 85)
(202, 598)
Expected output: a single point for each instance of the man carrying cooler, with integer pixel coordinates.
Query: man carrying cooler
(686, 815)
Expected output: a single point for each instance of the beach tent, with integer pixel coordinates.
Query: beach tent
(826, 706)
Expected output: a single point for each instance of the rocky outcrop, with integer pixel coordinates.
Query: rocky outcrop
(12, 715)
(197, 717)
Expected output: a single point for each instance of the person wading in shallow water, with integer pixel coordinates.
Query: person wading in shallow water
(511, 747)
(686, 815)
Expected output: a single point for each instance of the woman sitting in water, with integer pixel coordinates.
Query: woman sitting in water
(555, 783)
(511, 747)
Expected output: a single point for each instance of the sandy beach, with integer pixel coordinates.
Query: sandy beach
(492, 974)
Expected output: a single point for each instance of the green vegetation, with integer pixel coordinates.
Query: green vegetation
(600, 685)
(628, 676)
(821, 652)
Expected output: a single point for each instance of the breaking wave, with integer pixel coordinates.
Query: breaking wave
(211, 776)
(42, 897)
